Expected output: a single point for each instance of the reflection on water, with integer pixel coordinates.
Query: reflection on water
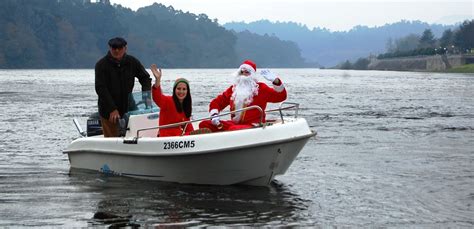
(123, 201)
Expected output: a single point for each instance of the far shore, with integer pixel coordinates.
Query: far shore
(467, 68)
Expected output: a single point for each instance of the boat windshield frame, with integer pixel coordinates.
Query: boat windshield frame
(141, 102)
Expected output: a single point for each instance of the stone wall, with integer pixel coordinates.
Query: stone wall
(421, 63)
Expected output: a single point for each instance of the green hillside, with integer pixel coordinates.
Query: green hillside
(74, 34)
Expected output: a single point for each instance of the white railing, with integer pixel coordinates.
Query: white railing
(261, 122)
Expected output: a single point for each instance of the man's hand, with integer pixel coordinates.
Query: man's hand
(114, 116)
(268, 75)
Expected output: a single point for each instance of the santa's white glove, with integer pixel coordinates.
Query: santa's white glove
(214, 118)
(268, 75)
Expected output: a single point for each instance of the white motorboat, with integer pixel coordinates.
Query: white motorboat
(251, 156)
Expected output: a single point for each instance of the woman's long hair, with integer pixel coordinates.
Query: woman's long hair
(186, 107)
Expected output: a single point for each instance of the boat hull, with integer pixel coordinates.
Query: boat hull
(251, 157)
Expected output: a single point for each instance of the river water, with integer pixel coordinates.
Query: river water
(394, 149)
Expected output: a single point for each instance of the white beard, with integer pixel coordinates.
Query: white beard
(245, 88)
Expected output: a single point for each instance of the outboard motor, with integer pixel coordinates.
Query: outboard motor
(94, 126)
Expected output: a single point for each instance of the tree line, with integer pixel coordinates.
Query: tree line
(457, 41)
(328, 48)
(74, 34)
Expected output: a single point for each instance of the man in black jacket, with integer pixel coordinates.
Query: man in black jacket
(114, 79)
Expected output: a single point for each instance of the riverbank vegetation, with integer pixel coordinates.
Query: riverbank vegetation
(467, 68)
(74, 34)
(458, 41)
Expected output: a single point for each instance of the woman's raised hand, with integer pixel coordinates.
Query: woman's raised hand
(157, 73)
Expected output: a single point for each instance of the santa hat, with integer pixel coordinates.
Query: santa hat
(249, 65)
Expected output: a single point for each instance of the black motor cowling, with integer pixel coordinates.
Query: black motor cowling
(94, 126)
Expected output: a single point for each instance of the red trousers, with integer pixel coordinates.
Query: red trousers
(226, 126)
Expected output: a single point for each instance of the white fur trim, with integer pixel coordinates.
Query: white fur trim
(279, 88)
(213, 111)
(248, 67)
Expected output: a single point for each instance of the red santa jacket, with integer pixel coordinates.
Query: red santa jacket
(265, 95)
(169, 114)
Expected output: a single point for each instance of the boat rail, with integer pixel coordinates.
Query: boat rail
(280, 109)
(261, 123)
(186, 123)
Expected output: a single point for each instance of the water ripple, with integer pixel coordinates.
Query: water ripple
(394, 149)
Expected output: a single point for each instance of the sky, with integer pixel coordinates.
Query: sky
(335, 15)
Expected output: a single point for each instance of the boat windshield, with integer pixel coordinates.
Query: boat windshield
(141, 103)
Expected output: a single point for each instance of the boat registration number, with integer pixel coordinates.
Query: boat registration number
(179, 144)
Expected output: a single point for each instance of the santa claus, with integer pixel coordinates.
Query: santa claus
(246, 91)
